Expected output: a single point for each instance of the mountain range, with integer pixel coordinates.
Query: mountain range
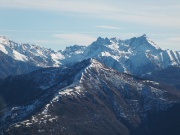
(113, 86)
(136, 56)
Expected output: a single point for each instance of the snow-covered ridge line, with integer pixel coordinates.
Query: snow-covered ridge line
(136, 56)
(34, 54)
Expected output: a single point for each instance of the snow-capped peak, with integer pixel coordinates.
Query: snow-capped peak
(33, 54)
(114, 39)
(4, 40)
(137, 55)
(7, 46)
(95, 63)
(104, 41)
(151, 43)
(142, 43)
(144, 35)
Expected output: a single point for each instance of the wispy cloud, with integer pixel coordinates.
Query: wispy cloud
(39, 42)
(76, 6)
(32, 31)
(158, 13)
(75, 38)
(108, 27)
(165, 44)
(167, 41)
(174, 39)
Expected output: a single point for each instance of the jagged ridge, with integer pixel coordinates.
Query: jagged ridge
(89, 94)
(135, 56)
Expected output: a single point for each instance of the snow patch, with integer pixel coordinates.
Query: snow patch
(3, 49)
(171, 57)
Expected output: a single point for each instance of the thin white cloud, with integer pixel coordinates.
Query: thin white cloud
(174, 39)
(165, 44)
(39, 42)
(160, 13)
(108, 27)
(167, 41)
(80, 39)
(31, 31)
(76, 6)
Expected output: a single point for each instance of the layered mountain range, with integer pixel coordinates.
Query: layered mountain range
(136, 56)
(85, 98)
(113, 86)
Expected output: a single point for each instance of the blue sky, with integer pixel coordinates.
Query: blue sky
(59, 23)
